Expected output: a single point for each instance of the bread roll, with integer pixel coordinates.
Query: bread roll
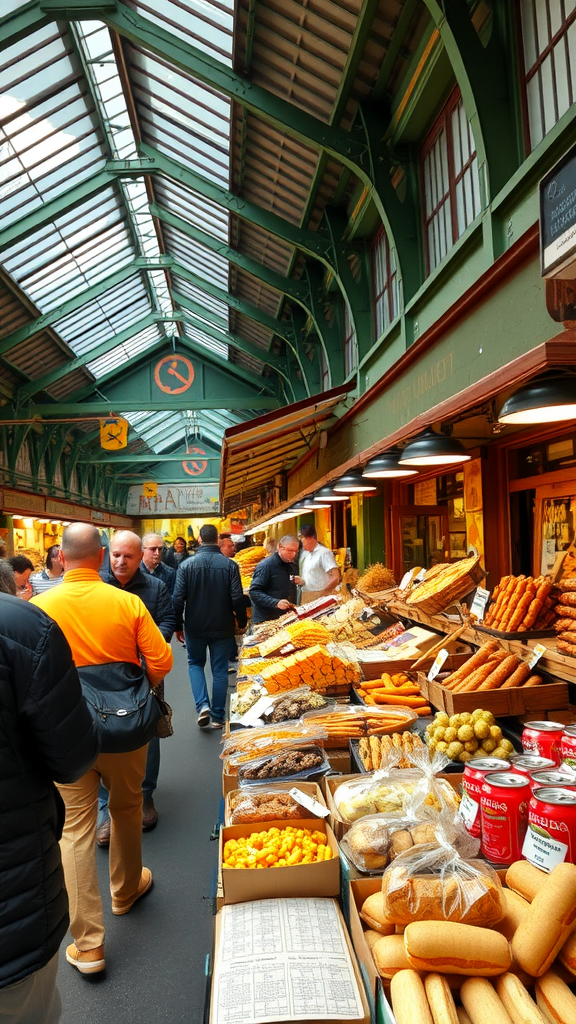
(400, 841)
(550, 920)
(408, 998)
(423, 834)
(451, 948)
(390, 955)
(516, 908)
(371, 936)
(448, 897)
(368, 841)
(525, 879)
(440, 999)
(372, 912)
(555, 999)
(567, 954)
(482, 1004)
(517, 1000)
(463, 1017)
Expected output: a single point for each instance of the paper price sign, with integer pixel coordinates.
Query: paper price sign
(537, 653)
(478, 606)
(438, 662)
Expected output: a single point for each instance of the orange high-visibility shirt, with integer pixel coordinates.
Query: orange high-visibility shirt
(104, 624)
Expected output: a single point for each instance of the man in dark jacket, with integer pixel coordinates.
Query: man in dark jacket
(126, 573)
(46, 734)
(273, 590)
(209, 586)
(152, 564)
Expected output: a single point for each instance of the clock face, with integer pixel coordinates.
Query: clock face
(174, 374)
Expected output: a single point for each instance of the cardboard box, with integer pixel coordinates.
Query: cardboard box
(359, 889)
(331, 783)
(322, 879)
(310, 788)
(340, 760)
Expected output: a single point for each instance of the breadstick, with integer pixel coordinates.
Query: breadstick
(533, 681)
(518, 677)
(477, 678)
(440, 999)
(500, 674)
(515, 599)
(490, 647)
(482, 1004)
(522, 608)
(375, 751)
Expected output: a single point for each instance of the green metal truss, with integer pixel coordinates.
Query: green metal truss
(103, 408)
(148, 457)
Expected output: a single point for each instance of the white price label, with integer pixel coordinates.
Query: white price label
(420, 576)
(309, 803)
(405, 579)
(469, 809)
(438, 662)
(478, 606)
(254, 714)
(537, 653)
(541, 850)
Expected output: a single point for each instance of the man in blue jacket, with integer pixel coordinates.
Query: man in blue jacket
(273, 588)
(208, 586)
(47, 735)
(126, 572)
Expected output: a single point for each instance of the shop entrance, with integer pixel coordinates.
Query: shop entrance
(420, 536)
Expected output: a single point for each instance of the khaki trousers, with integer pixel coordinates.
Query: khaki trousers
(122, 774)
(34, 1000)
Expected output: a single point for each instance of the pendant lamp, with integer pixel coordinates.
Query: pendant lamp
(309, 505)
(386, 466)
(431, 449)
(328, 494)
(353, 483)
(547, 400)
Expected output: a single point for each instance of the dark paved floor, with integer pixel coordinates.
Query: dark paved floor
(156, 954)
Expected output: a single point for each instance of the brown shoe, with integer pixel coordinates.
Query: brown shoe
(123, 906)
(149, 814)
(87, 961)
(103, 833)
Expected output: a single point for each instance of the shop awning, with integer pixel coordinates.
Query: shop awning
(252, 454)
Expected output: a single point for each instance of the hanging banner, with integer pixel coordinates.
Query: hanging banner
(173, 500)
(113, 433)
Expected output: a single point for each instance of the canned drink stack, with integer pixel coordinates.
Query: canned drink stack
(551, 835)
(504, 816)
(543, 738)
(474, 774)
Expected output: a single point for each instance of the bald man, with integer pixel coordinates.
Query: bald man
(103, 625)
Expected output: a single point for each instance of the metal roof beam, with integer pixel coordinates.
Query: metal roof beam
(50, 211)
(101, 408)
(226, 336)
(21, 23)
(41, 322)
(108, 378)
(148, 458)
(223, 364)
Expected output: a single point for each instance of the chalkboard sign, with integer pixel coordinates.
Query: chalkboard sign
(558, 214)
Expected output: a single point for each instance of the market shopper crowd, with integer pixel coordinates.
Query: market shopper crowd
(66, 790)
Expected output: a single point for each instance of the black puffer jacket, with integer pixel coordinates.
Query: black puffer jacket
(46, 734)
(210, 588)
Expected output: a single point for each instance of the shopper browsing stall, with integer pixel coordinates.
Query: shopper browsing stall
(273, 587)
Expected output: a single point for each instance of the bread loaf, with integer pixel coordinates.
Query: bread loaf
(517, 1000)
(482, 1004)
(440, 999)
(525, 879)
(373, 913)
(371, 937)
(548, 923)
(567, 954)
(451, 948)
(390, 955)
(516, 908)
(448, 897)
(409, 1001)
(555, 999)
(463, 1017)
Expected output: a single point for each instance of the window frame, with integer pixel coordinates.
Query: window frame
(388, 293)
(350, 342)
(527, 74)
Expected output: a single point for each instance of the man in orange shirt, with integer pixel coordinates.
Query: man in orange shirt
(102, 624)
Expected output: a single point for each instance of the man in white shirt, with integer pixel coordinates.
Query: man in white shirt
(319, 574)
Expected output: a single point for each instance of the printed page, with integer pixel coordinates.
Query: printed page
(284, 959)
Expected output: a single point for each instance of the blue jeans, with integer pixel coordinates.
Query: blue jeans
(219, 656)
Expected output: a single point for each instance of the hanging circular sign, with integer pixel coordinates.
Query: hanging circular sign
(195, 467)
(174, 374)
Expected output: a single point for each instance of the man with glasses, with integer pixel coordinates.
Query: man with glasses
(273, 587)
(152, 564)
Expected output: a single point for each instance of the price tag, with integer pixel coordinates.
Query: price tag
(420, 576)
(438, 662)
(469, 809)
(309, 803)
(543, 850)
(537, 653)
(405, 579)
(254, 714)
(478, 606)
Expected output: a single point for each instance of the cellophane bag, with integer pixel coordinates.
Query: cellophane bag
(263, 802)
(297, 763)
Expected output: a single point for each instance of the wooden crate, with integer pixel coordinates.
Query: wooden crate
(517, 701)
(374, 669)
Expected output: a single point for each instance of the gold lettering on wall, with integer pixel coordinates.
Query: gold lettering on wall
(434, 374)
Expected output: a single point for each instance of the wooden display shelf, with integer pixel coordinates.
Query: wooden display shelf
(520, 700)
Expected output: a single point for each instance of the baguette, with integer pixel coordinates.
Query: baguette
(518, 677)
(567, 954)
(525, 879)
(548, 923)
(440, 999)
(517, 1001)
(482, 654)
(555, 999)
(475, 680)
(482, 1003)
(390, 955)
(516, 909)
(408, 998)
(451, 948)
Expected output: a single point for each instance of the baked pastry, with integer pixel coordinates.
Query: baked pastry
(372, 912)
(367, 844)
(469, 897)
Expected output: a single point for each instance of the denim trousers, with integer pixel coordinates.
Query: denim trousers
(219, 657)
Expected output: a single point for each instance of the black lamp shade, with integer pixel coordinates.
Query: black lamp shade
(432, 449)
(386, 466)
(328, 494)
(548, 400)
(353, 483)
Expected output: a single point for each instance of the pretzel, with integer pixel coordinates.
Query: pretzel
(561, 625)
(569, 598)
(569, 583)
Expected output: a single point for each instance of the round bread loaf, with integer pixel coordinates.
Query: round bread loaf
(450, 948)
(476, 899)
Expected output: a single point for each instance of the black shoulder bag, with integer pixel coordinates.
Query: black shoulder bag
(122, 703)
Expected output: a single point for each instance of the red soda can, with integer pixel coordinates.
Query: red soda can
(553, 777)
(474, 774)
(525, 764)
(568, 746)
(543, 738)
(551, 835)
(504, 816)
